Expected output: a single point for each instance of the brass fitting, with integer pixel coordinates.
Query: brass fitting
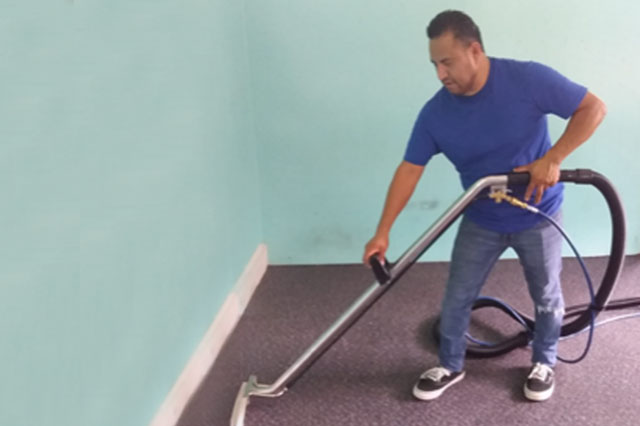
(499, 196)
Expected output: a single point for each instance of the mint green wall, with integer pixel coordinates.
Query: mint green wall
(130, 200)
(338, 86)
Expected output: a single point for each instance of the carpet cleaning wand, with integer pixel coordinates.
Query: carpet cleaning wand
(388, 274)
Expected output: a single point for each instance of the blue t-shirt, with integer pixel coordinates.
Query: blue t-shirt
(501, 127)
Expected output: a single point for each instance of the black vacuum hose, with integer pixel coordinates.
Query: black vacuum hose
(601, 300)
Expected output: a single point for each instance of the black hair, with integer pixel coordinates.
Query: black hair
(459, 23)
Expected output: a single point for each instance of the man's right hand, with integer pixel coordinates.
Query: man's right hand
(378, 244)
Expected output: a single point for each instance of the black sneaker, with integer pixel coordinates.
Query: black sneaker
(539, 384)
(434, 381)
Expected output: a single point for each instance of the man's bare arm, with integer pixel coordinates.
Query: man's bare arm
(402, 186)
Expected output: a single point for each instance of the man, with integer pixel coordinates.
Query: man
(490, 118)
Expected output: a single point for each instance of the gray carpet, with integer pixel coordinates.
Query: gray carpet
(366, 378)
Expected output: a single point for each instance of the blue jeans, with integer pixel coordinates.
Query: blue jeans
(474, 253)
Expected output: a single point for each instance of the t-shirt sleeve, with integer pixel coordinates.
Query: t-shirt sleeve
(421, 146)
(552, 92)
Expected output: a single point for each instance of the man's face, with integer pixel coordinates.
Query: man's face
(456, 63)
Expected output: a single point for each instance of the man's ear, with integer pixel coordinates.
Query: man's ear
(476, 48)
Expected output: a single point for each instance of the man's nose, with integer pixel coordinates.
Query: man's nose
(441, 71)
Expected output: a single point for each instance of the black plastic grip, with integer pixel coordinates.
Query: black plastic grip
(580, 176)
(380, 270)
(518, 178)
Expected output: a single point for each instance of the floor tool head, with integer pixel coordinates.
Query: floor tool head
(240, 406)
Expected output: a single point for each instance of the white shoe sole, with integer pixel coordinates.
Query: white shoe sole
(538, 396)
(429, 395)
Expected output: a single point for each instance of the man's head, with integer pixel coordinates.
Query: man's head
(457, 53)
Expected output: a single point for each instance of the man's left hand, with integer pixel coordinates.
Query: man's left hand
(544, 174)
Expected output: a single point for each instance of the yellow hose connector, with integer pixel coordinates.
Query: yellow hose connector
(499, 196)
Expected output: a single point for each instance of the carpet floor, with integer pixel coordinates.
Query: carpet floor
(367, 376)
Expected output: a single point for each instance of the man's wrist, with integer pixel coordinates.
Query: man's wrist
(555, 156)
(383, 230)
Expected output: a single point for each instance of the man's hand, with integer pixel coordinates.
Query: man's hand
(544, 174)
(378, 244)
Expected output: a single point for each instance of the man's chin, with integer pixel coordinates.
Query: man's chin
(452, 89)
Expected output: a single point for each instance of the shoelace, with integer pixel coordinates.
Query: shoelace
(436, 373)
(540, 372)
